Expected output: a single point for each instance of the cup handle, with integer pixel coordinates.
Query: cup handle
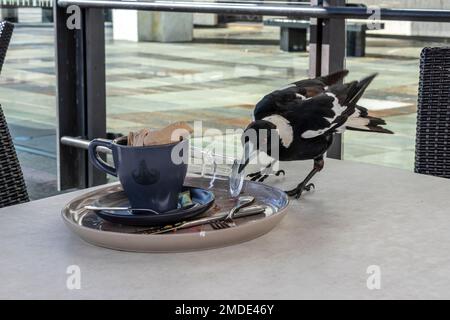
(98, 162)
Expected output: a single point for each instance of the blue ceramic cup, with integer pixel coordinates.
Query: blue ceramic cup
(151, 176)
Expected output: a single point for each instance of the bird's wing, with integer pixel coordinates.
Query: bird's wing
(328, 112)
(276, 102)
(311, 87)
(320, 115)
(334, 111)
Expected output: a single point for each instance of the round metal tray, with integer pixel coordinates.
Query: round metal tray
(91, 228)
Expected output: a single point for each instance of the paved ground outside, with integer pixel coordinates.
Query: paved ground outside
(217, 78)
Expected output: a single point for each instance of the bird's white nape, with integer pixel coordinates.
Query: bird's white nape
(284, 129)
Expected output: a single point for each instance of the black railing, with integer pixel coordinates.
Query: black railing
(283, 9)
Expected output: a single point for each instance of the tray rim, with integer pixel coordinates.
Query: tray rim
(73, 226)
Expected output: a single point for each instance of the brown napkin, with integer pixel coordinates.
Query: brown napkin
(172, 133)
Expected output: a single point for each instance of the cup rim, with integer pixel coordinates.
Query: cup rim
(115, 142)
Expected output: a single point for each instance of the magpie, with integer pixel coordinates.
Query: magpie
(303, 117)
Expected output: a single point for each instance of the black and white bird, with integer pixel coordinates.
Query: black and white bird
(304, 117)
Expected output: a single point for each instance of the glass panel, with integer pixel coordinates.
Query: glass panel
(394, 53)
(213, 76)
(392, 96)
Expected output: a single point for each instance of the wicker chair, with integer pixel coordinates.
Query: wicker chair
(433, 115)
(6, 30)
(12, 186)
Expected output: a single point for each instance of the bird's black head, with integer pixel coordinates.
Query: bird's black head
(258, 136)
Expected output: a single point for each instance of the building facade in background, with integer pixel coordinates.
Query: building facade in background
(407, 28)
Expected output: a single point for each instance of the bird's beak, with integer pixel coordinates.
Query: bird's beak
(242, 166)
(247, 156)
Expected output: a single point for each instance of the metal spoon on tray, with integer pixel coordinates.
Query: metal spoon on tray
(133, 210)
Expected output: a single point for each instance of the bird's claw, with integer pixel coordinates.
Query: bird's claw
(260, 177)
(297, 192)
(280, 172)
(254, 174)
(257, 176)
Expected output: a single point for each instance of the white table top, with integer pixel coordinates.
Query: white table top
(360, 215)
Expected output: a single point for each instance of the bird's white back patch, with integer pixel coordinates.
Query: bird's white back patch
(284, 129)
(337, 109)
(355, 114)
(357, 122)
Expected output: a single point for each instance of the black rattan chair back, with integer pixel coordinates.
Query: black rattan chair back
(6, 30)
(433, 114)
(12, 186)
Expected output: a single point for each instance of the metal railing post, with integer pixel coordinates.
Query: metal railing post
(71, 162)
(315, 43)
(95, 84)
(80, 93)
(333, 59)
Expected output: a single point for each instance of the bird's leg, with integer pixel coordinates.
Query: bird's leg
(262, 175)
(305, 185)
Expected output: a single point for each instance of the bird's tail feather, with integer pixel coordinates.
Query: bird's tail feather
(363, 111)
(358, 90)
(360, 120)
(367, 124)
(334, 77)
